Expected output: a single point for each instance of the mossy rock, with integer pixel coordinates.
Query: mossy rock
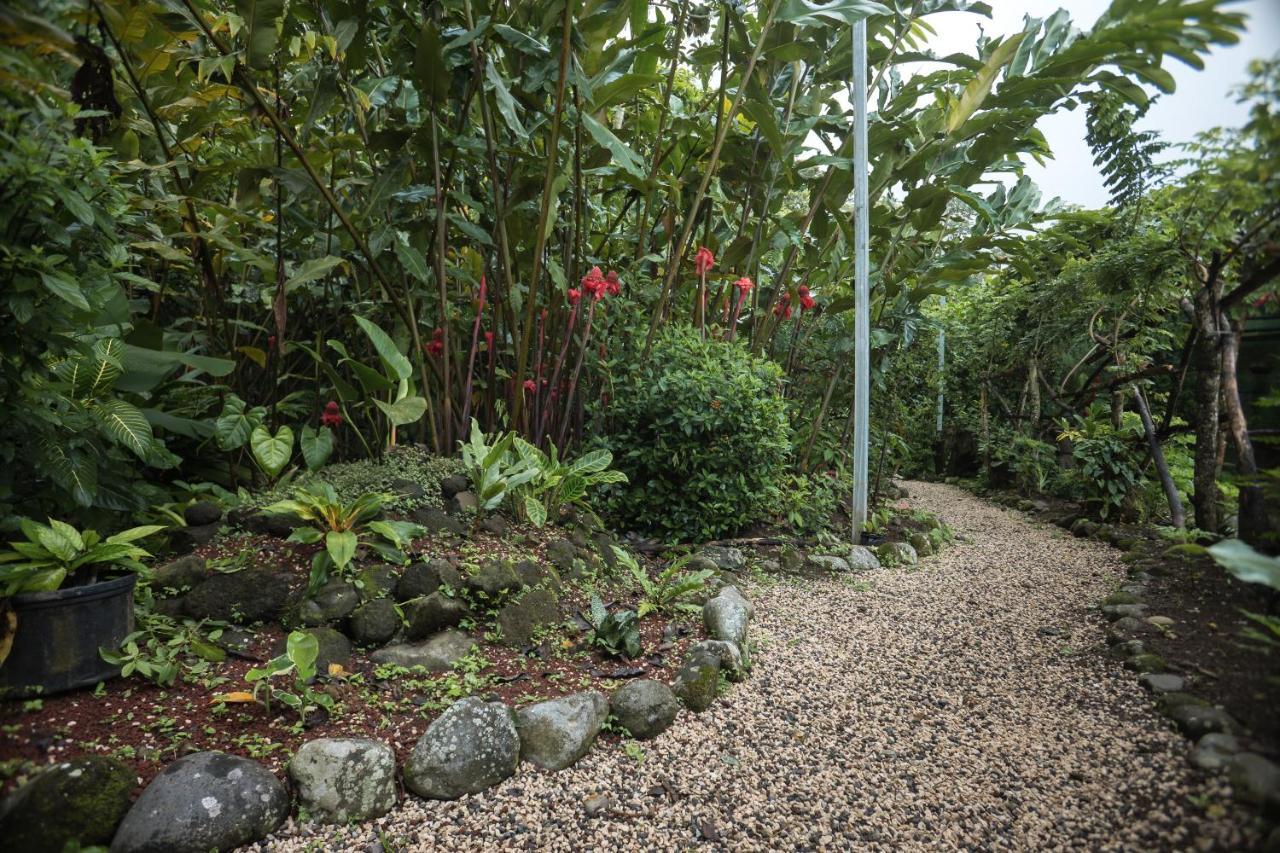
(897, 554)
(1186, 551)
(81, 801)
(1146, 662)
(377, 582)
(334, 648)
(1121, 597)
(374, 623)
(698, 681)
(1168, 702)
(520, 620)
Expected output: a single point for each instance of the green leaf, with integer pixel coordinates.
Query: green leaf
(506, 104)
(590, 463)
(980, 86)
(341, 545)
(1246, 564)
(272, 452)
(407, 411)
(317, 446)
(126, 425)
(235, 424)
(61, 540)
(814, 13)
(133, 534)
(73, 470)
(619, 150)
(262, 20)
(65, 289)
(412, 261)
(311, 270)
(386, 348)
(302, 648)
(431, 74)
(536, 512)
(305, 536)
(521, 41)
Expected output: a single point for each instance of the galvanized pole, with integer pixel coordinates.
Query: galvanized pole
(942, 366)
(861, 286)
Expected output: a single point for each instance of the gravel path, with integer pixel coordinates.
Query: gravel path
(895, 710)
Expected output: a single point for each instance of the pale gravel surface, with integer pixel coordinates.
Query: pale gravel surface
(925, 711)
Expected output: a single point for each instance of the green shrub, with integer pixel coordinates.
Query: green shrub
(350, 480)
(701, 432)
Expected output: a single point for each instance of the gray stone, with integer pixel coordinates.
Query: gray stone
(374, 622)
(344, 779)
(436, 520)
(204, 801)
(1129, 648)
(921, 542)
(862, 559)
(463, 503)
(645, 707)
(472, 746)
(597, 804)
(334, 648)
(1119, 611)
(533, 573)
(81, 800)
(189, 538)
(726, 559)
(377, 582)
(336, 599)
(698, 681)
(436, 654)
(520, 620)
(562, 553)
(493, 580)
(246, 596)
(1123, 629)
(729, 654)
(453, 484)
(556, 733)
(1214, 751)
(278, 526)
(420, 579)
(431, 614)
(897, 554)
(407, 489)
(496, 524)
(1121, 597)
(182, 573)
(306, 613)
(1162, 682)
(726, 616)
(1195, 721)
(1146, 663)
(201, 513)
(1256, 780)
(828, 563)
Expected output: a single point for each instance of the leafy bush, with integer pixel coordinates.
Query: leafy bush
(56, 554)
(1033, 463)
(701, 431)
(618, 633)
(560, 483)
(343, 527)
(670, 590)
(399, 465)
(809, 501)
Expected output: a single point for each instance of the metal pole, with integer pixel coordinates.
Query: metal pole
(942, 366)
(861, 287)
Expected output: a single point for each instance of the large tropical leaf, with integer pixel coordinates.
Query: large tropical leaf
(396, 362)
(407, 411)
(125, 424)
(272, 452)
(262, 20)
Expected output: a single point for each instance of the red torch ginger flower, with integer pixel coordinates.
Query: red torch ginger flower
(806, 301)
(783, 308)
(574, 295)
(530, 386)
(614, 283)
(331, 417)
(703, 260)
(595, 284)
(488, 339)
(436, 347)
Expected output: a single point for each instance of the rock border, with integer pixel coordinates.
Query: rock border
(471, 747)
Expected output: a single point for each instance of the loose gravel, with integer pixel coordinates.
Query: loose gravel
(964, 704)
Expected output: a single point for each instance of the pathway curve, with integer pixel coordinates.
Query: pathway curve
(894, 710)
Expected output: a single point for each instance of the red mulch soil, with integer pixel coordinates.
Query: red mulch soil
(147, 726)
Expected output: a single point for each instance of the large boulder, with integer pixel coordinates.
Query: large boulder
(1256, 780)
(182, 573)
(76, 801)
(828, 563)
(897, 554)
(644, 707)
(562, 554)
(862, 559)
(437, 521)
(377, 582)
(250, 595)
(556, 733)
(698, 681)
(431, 614)
(726, 616)
(421, 579)
(344, 779)
(374, 623)
(729, 655)
(336, 599)
(520, 620)
(493, 579)
(204, 801)
(725, 559)
(436, 654)
(472, 746)
(201, 513)
(334, 647)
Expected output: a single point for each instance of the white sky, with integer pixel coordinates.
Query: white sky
(1202, 99)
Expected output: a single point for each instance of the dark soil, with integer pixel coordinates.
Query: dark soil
(149, 726)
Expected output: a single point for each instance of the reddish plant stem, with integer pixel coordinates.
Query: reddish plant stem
(577, 370)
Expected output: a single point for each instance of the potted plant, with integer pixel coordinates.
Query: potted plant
(62, 602)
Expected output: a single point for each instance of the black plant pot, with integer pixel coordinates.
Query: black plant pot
(59, 634)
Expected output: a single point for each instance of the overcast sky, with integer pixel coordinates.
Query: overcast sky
(1202, 99)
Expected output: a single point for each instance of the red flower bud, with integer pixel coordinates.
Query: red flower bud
(703, 260)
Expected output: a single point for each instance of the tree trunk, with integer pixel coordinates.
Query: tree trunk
(1207, 361)
(1176, 515)
(1252, 525)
